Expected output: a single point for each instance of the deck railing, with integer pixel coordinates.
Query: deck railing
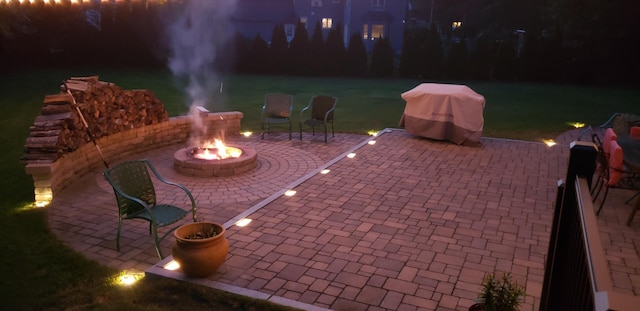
(577, 276)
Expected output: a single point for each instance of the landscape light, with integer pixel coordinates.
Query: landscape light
(576, 124)
(172, 265)
(290, 193)
(243, 222)
(351, 155)
(247, 133)
(326, 171)
(549, 142)
(128, 278)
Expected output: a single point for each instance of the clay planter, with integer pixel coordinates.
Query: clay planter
(199, 254)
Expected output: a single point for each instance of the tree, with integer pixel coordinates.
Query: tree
(356, 58)
(412, 57)
(278, 51)
(504, 60)
(433, 55)
(258, 60)
(480, 59)
(335, 51)
(382, 59)
(457, 61)
(317, 56)
(299, 50)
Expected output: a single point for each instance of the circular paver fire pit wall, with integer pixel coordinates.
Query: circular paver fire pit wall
(186, 164)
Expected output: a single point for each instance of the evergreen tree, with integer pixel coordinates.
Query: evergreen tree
(433, 55)
(504, 61)
(278, 51)
(259, 56)
(317, 55)
(356, 58)
(457, 61)
(413, 50)
(335, 51)
(530, 63)
(299, 50)
(382, 59)
(480, 59)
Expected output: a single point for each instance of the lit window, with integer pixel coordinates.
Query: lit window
(316, 2)
(327, 22)
(377, 31)
(377, 3)
(456, 25)
(365, 31)
(303, 21)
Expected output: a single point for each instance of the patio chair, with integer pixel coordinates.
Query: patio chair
(621, 123)
(136, 199)
(322, 109)
(602, 163)
(615, 176)
(277, 109)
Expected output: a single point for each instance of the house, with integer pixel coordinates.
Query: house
(372, 19)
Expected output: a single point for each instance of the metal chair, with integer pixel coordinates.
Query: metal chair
(621, 122)
(277, 109)
(615, 176)
(322, 109)
(136, 199)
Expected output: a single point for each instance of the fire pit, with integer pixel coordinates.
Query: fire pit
(214, 160)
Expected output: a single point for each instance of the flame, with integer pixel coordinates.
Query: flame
(217, 151)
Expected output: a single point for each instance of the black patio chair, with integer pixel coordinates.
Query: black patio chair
(322, 109)
(277, 109)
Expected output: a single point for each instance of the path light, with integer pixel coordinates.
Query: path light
(43, 196)
(576, 124)
(247, 133)
(172, 265)
(351, 155)
(549, 142)
(128, 278)
(372, 142)
(373, 132)
(325, 171)
(243, 222)
(290, 193)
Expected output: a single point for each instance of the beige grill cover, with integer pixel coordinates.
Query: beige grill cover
(444, 112)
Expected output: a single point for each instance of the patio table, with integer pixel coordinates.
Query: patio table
(631, 151)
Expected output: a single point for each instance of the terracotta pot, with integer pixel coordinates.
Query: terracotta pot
(199, 257)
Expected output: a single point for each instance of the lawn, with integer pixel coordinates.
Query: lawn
(41, 273)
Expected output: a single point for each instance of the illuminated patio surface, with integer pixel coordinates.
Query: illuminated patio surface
(406, 223)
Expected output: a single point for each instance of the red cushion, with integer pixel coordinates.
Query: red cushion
(609, 135)
(635, 132)
(615, 163)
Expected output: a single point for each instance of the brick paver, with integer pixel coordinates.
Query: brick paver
(406, 224)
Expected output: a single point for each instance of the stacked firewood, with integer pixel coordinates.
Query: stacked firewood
(104, 107)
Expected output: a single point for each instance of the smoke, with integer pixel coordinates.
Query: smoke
(197, 31)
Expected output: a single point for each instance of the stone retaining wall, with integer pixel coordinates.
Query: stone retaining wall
(51, 177)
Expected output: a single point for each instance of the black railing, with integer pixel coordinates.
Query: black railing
(577, 276)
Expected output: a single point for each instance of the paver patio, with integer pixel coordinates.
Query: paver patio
(406, 224)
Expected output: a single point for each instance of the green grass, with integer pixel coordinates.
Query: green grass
(41, 273)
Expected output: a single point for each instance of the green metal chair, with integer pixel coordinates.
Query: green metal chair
(277, 109)
(136, 199)
(322, 108)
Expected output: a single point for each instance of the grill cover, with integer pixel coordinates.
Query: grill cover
(444, 112)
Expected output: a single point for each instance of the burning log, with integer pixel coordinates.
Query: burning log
(106, 108)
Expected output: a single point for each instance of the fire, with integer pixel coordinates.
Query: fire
(216, 151)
